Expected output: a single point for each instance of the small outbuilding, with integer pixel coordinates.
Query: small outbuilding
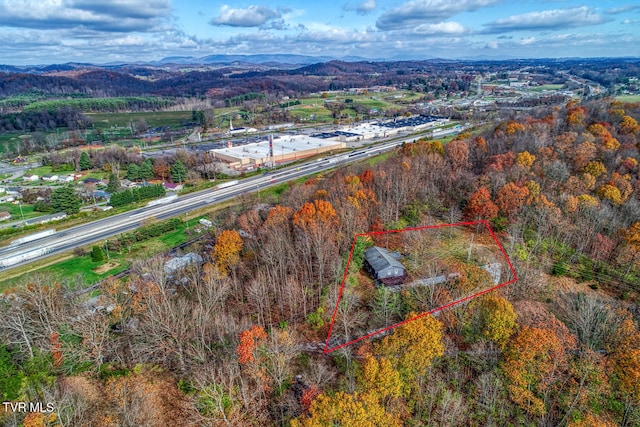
(385, 266)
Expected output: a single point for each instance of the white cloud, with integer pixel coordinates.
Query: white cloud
(416, 12)
(553, 19)
(526, 41)
(116, 15)
(253, 16)
(442, 28)
(367, 6)
(623, 9)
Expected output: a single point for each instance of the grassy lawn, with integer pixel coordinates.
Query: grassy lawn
(547, 87)
(42, 170)
(320, 114)
(628, 98)
(14, 210)
(81, 266)
(153, 119)
(373, 103)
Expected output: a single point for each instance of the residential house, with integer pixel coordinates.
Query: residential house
(385, 266)
(4, 216)
(30, 177)
(66, 178)
(50, 178)
(171, 186)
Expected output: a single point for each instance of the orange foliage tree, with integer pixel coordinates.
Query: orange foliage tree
(511, 197)
(481, 206)
(312, 215)
(458, 155)
(249, 341)
(532, 363)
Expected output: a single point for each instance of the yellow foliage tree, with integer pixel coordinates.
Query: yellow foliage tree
(629, 125)
(525, 159)
(592, 420)
(346, 410)
(413, 346)
(227, 251)
(595, 169)
(610, 192)
(379, 378)
(497, 319)
(586, 200)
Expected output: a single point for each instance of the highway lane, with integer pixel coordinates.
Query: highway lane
(105, 228)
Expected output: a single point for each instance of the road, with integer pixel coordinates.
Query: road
(98, 231)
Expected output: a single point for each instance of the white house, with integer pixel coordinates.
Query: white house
(66, 178)
(50, 178)
(30, 177)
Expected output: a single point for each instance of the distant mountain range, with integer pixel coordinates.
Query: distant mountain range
(282, 61)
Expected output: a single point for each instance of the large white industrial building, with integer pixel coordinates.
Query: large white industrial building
(285, 149)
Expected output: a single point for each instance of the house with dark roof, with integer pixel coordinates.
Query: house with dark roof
(385, 266)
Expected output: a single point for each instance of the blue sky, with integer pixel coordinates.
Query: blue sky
(102, 31)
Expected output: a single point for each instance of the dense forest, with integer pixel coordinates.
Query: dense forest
(434, 76)
(238, 339)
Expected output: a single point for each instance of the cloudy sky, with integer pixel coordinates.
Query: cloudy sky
(102, 31)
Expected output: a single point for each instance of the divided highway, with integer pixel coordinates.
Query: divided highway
(15, 255)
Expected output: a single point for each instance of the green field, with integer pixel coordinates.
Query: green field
(547, 87)
(153, 119)
(628, 98)
(304, 112)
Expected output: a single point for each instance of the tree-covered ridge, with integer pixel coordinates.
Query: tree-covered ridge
(222, 343)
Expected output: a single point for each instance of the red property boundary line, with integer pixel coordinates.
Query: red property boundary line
(328, 350)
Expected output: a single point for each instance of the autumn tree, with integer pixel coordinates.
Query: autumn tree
(458, 154)
(161, 169)
(227, 251)
(346, 410)
(250, 340)
(317, 222)
(413, 346)
(629, 125)
(533, 360)
(481, 206)
(379, 378)
(525, 159)
(497, 319)
(510, 198)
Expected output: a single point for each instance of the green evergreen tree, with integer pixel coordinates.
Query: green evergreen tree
(65, 199)
(114, 184)
(133, 172)
(178, 172)
(97, 254)
(10, 377)
(146, 170)
(85, 162)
